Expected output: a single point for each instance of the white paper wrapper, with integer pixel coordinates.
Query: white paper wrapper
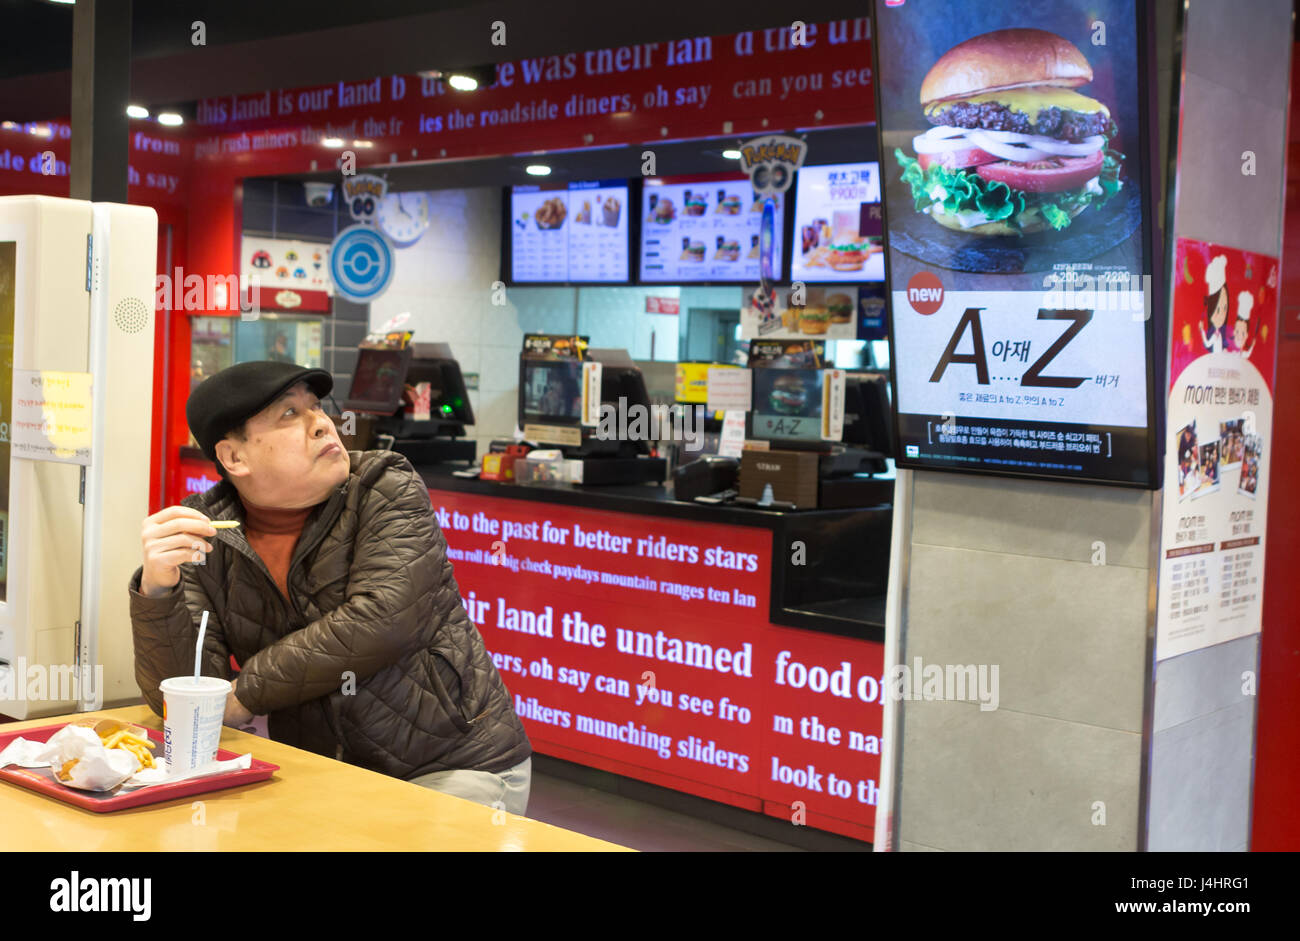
(97, 768)
(102, 769)
(148, 777)
(24, 754)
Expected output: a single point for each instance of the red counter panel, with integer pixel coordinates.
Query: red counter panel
(642, 646)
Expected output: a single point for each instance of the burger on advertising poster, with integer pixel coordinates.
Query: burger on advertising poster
(788, 395)
(1013, 148)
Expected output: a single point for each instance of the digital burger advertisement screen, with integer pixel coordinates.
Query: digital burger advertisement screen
(1014, 174)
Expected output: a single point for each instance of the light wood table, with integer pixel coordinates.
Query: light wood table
(311, 803)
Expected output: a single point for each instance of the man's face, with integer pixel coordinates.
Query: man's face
(1239, 331)
(291, 456)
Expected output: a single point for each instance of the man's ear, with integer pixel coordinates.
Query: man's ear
(228, 456)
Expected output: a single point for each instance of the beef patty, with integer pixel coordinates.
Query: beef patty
(1062, 124)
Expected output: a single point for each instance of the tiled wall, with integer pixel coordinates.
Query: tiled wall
(1003, 573)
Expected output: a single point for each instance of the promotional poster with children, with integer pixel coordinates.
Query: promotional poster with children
(1222, 355)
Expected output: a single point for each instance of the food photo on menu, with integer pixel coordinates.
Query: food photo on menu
(827, 312)
(838, 224)
(701, 229)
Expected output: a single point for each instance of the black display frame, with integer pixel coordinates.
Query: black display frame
(1154, 264)
(507, 237)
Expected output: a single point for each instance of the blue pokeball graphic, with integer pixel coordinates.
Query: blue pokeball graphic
(361, 263)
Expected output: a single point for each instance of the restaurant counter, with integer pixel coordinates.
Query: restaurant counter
(728, 652)
(311, 803)
(830, 568)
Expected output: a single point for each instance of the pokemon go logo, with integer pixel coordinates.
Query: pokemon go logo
(363, 194)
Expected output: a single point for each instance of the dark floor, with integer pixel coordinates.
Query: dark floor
(645, 817)
(633, 823)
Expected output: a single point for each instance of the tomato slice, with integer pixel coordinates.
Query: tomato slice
(956, 159)
(1053, 175)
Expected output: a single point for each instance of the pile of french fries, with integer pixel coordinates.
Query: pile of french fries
(128, 740)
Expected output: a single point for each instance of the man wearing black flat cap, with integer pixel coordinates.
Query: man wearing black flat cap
(334, 595)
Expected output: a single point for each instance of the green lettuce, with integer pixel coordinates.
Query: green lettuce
(959, 191)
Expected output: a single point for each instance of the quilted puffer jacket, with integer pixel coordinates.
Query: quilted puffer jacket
(373, 596)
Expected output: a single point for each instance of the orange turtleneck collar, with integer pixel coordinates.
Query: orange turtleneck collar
(273, 533)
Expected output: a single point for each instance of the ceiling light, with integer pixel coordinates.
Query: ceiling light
(9, 125)
(170, 119)
(41, 130)
(537, 169)
(732, 154)
(332, 142)
(67, 2)
(363, 143)
(463, 82)
(135, 111)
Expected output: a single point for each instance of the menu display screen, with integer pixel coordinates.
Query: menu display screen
(569, 232)
(837, 224)
(703, 228)
(1017, 205)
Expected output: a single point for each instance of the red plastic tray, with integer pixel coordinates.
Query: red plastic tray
(42, 780)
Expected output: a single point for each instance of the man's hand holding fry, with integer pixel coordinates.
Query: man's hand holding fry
(171, 537)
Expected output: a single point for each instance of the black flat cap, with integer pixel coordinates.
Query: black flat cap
(234, 395)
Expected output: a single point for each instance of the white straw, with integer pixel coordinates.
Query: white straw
(198, 652)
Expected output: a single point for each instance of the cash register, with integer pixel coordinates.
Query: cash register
(550, 413)
(803, 469)
(380, 389)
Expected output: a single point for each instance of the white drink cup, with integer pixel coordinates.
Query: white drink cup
(193, 708)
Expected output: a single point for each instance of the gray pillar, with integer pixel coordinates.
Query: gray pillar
(101, 87)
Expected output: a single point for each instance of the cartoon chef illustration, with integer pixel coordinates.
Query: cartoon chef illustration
(1216, 305)
(1241, 328)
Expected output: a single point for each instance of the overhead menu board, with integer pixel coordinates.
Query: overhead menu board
(703, 228)
(569, 232)
(837, 224)
(1018, 215)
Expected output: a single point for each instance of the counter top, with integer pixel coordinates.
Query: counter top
(311, 803)
(645, 499)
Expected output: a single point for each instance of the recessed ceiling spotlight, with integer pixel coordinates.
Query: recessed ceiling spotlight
(332, 142)
(732, 154)
(136, 111)
(170, 119)
(537, 169)
(463, 82)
